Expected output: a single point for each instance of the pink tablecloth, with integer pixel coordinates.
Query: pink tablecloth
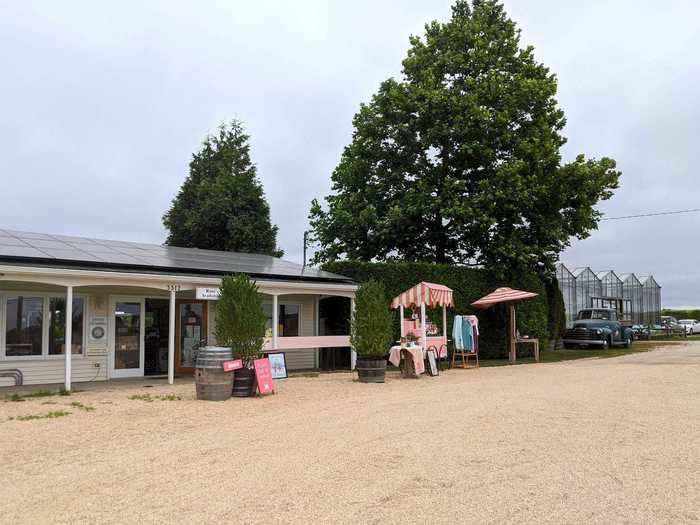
(415, 351)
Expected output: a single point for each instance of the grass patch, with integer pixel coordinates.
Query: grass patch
(148, 398)
(565, 354)
(49, 415)
(307, 374)
(49, 403)
(40, 393)
(79, 405)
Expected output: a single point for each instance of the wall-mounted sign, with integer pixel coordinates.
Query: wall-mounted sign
(263, 375)
(98, 329)
(208, 294)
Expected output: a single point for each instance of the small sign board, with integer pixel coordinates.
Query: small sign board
(433, 369)
(230, 366)
(278, 365)
(263, 376)
(208, 294)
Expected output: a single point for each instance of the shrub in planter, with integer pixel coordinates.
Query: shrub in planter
(371, 331)
(240, 325)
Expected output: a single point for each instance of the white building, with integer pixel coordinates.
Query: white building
(142, 310)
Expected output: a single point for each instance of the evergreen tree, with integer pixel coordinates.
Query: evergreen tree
(459, 160)
(221, 205)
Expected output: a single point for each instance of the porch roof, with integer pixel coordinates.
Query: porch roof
(60, 251)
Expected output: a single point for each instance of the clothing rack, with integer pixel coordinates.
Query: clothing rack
(465, 334)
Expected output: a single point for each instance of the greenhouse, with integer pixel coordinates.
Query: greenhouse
(638, 301)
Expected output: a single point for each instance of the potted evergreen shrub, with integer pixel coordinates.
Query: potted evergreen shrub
(371, 332)
(240, 324)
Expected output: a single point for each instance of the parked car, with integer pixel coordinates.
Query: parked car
(598, 327)
(692, 326)
(672, 327)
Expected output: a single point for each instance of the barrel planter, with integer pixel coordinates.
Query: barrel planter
(244, 382)
(212, 383)
(371, 370)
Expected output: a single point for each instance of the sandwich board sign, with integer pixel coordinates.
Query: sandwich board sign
(263, 376)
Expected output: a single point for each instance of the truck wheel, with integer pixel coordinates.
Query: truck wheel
(628, 342)
(568, 346)
(606, 344)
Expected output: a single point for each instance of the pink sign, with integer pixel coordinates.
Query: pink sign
(230, 366)
(263, 376)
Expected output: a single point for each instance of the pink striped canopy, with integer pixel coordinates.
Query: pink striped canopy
(502, 295)
(430, 294)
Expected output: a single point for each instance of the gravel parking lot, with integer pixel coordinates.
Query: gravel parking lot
(589, 441)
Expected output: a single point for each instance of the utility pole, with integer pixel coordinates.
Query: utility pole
(306, 238)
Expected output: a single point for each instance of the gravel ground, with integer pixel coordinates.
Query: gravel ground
(590, 441)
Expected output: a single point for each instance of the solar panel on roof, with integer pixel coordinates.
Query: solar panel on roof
(100, 253)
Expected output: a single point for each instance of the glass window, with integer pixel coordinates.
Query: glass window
(57, 325)
(24, 323)
(191, 333)
(288, 318)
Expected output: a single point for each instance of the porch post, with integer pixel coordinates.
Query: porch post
(423, 333)
(444, 323)
(353, 354)
(401, 327)
(513, 349)
(275, 321)
(171, 339)
(68, 339)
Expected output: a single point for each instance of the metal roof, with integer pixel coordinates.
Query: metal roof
(64, 251)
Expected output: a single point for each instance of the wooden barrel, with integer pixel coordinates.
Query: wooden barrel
(212, 383)
(371, 370)
(244, 383)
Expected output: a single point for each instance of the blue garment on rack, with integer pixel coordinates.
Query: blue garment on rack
(462, 334)
(457, 333)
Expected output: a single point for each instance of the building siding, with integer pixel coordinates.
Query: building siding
(49, 371)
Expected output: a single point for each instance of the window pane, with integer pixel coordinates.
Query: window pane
(267, 308)
(191, 333)
(57, 326)
(289, 320)
(24, 322)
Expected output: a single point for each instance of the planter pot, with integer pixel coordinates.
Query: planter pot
(244, 383)
(371, 370)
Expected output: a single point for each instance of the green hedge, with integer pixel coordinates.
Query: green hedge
(535, 317)
(681, 314)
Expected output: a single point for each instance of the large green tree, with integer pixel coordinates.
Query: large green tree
(459, 160)
(221, 205)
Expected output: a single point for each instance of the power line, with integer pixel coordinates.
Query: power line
(657, 214)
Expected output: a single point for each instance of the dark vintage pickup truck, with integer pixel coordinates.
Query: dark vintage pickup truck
(598, 327)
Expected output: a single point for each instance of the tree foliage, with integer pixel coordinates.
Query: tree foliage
(240, 319)
(371, 325)
(221, 205)
(459, 160)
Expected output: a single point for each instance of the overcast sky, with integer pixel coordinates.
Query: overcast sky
(102, 107)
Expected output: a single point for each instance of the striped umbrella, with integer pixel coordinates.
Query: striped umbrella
(502, 295)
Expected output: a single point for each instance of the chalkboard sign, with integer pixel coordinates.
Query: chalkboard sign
(433, 369)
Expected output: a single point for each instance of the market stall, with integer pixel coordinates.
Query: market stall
(510, 297)
(421, 296)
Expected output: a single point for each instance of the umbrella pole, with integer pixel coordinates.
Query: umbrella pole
(512, 353)
(401, 327)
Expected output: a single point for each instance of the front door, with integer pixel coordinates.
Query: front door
(127, 337)
(191, 330)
